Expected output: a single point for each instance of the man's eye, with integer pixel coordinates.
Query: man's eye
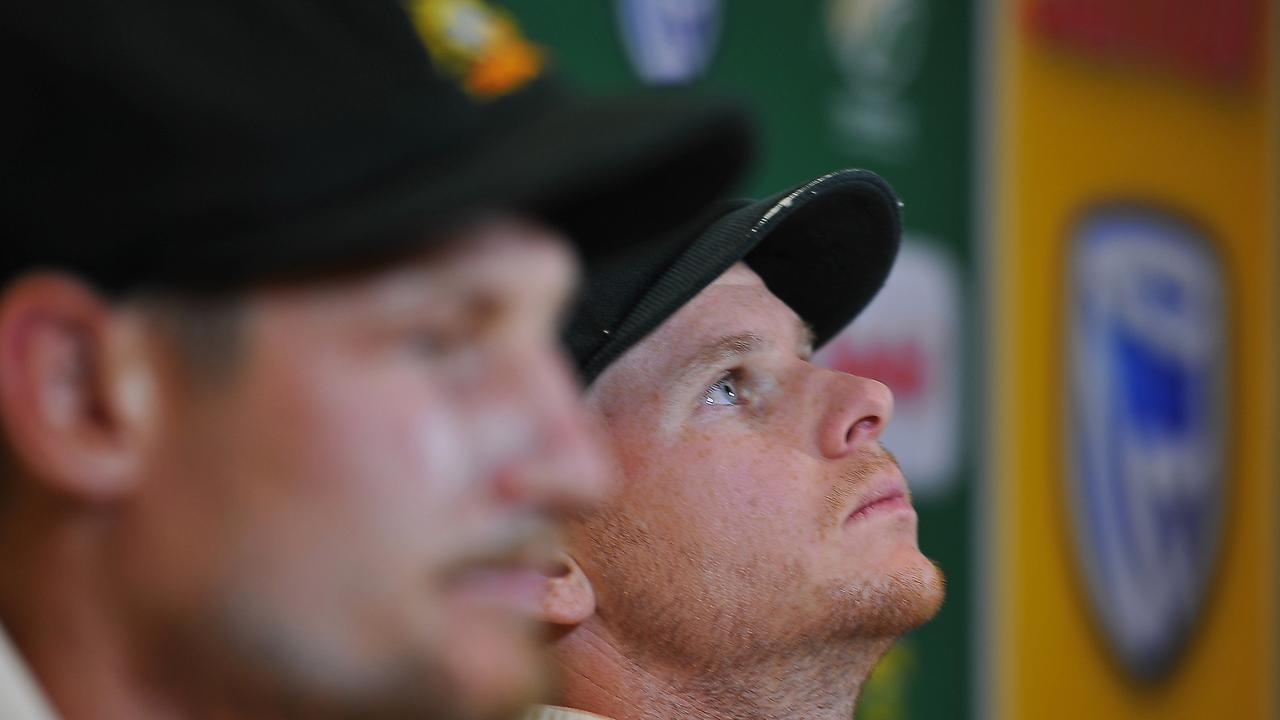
(434, 344)
(724, 392)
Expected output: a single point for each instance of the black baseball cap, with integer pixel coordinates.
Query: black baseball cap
(824, 248)
(211, 143)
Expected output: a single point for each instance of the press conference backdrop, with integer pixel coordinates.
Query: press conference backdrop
(1080, 331)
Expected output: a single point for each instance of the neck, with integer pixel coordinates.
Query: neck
(600, 675)
(57, 608)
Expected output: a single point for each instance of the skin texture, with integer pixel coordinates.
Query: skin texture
(342, 522)
(727, 577)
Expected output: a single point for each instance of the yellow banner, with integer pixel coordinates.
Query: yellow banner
(1132, 547)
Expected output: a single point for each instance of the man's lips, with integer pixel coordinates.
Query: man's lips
(510, 588)
(884, 495)
(511, 575)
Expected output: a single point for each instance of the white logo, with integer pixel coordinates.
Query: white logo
(909, 339)
(1145, 433)
(669, 41)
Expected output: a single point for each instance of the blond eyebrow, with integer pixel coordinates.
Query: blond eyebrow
(731, 347)
(722, 350)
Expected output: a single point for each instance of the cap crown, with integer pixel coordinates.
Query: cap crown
(142, 128)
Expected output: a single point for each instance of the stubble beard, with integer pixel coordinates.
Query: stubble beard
(249, 664)
(709, 612)
(883, 605)
(246, 653)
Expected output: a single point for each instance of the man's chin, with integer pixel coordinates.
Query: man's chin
(896, 600)
(933, 591)
(498, 668)
(920, 588)
(506, 696)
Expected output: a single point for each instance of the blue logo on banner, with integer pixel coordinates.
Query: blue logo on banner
(1146, 432)
(669, 41)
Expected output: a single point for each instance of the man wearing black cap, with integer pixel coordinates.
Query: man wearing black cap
(761, 553)
(282, 415)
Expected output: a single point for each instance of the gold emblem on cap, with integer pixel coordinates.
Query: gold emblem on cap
(478, 44)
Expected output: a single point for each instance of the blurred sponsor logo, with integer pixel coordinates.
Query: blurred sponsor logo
(1147, 398)
(908, 338)
(1218, 40)
(669, 42)
(879, 48)
(480, 45)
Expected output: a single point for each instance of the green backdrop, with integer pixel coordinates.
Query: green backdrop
(881, 84)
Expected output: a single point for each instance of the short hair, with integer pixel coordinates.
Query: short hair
(207, 331)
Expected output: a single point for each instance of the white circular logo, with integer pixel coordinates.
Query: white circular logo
(1145, 435)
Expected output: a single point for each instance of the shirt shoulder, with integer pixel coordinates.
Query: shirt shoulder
(555, 712)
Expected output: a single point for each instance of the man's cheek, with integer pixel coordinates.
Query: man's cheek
(438, 451)
(748, 503)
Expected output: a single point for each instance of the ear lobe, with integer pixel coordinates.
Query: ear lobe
(58, 401)
(567, 597)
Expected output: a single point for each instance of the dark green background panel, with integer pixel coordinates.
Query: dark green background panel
(910, 82)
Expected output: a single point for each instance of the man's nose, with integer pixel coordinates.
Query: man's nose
(855, 413)
(568, 468)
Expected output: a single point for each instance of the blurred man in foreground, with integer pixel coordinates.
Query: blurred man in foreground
(284, 419)
(761, 554)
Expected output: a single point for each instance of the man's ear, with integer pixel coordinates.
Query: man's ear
(70, 389)
(567, 596)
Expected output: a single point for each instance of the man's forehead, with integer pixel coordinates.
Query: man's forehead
(733, 316)
(737, 302)
(738, 274)
(736, 305)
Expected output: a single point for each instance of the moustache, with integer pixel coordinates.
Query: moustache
(864, 465)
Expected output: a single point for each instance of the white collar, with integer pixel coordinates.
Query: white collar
(20, 697)
(555, 712)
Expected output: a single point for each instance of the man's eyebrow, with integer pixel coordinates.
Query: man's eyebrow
(722, 350)
(731, 347)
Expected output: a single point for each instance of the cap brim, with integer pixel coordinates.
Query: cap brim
(609, 172)
(824, 248)
(830, 246)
